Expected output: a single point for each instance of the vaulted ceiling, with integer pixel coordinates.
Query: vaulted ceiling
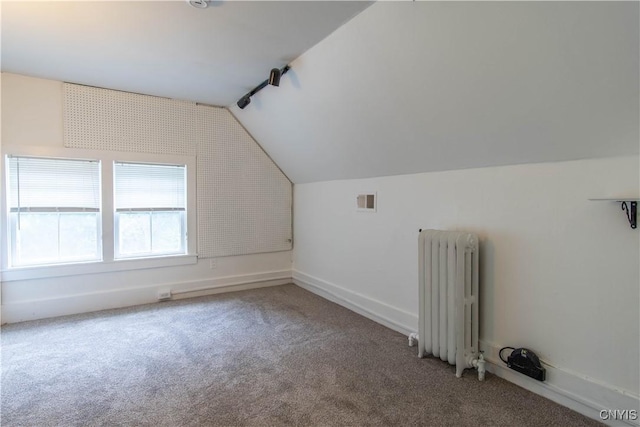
(403, 87)
(410, 87)
(165, 48)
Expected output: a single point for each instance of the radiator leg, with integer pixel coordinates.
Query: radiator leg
(413, 339)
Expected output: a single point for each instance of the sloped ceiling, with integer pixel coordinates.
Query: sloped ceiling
(427, 86)
(164, 48)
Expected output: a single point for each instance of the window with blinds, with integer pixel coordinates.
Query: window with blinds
(150, 209)
(54, 210)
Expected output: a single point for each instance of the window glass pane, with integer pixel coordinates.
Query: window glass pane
(52, 237)
(167, 232)
(78, 236)
(36, 238)
(134, 233)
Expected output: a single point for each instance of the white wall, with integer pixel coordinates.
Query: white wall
(559, 274)
(32, 116)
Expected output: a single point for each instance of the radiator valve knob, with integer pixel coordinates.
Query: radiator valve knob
(413, 339)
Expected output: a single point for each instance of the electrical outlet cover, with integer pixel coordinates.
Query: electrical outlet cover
(164, 295)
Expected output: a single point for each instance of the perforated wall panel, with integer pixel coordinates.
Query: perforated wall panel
(244, 201)
(101, 119)
(245, 197)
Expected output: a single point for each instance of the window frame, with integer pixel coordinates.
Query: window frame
(108, 263)
(12, 221)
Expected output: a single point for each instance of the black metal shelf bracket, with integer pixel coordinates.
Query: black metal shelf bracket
(631, 209)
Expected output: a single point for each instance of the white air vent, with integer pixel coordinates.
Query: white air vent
(366, 202)
(200, 4)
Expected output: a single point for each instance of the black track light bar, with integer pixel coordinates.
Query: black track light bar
(274, 79)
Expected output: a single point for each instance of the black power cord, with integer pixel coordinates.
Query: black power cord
(500, 353)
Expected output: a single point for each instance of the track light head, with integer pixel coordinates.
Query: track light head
(274, 77)
(244, 101)
(274, 80)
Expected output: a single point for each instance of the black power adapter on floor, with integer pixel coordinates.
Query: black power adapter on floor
(524, 361)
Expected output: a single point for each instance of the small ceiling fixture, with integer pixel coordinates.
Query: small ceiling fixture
(274, 80)
(199, 4)
(274, 77)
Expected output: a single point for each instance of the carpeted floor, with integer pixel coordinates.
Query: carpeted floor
(274, 356)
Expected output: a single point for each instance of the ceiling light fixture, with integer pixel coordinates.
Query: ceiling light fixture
(274, 80)
(199, 4)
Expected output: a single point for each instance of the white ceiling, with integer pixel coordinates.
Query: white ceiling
(425, 86)
(403, 87)
(165, 48)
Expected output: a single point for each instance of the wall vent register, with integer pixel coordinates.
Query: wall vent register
(366, 202)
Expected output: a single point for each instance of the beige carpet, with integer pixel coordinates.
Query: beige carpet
(274, 356)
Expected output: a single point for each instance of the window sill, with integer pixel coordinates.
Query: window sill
(49, 271)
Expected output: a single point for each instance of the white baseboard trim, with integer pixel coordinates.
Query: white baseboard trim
(385, 314)
(569, 389)
(124, 297)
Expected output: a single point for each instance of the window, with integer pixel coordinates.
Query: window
(150, 205)
(68, 211)
(54, 210)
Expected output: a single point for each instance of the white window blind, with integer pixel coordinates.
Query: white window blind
(53, 185)
(148, 187)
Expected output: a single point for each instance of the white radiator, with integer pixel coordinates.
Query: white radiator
(448, 283)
